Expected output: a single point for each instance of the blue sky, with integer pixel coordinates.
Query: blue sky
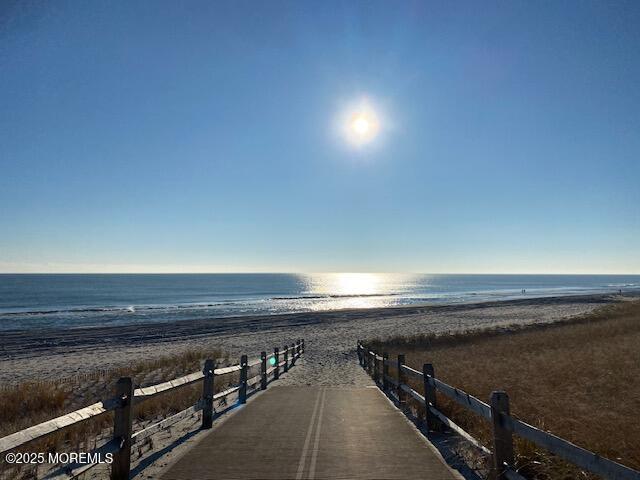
(200, 136)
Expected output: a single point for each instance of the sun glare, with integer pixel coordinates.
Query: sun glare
(346, 284)
(360, 124)
(357, 283)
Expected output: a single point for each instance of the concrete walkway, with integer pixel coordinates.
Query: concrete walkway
(313, 433)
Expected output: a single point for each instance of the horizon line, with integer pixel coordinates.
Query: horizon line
(315, 273)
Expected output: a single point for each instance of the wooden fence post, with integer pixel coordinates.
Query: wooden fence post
(372, 362)
(263, 370)
(376, 368)
(367, 362)
(207, 393)
(293, 354)
(242, 396)
(402, 378)
(430, 397)
(365, 357)
(302, 345)
(372, 365)
(286, 358)
(276, 355)
(385, 371)
(122, 420)
(502, 437)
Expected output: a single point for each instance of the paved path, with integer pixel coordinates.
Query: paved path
(292, 432)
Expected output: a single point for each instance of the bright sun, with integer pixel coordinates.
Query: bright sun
(361, 125)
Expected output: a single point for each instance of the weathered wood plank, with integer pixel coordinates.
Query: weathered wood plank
(255, 380)
(411, 371)
(226, 392)
(412, 392)
(225, 370)
(254, 363)
(458, 429)
(42, 429)
(472, 403)
(141, 394)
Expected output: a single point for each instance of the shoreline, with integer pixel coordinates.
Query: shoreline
(330, 335)
(315, 316)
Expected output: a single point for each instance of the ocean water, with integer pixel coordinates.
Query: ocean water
(33, 301)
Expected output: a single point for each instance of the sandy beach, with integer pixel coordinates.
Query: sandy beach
(329, 359)
(330, 337)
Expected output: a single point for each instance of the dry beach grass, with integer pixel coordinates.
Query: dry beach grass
(577, 380)
(31, 402)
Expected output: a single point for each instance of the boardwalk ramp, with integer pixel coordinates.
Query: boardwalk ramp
(313, 433)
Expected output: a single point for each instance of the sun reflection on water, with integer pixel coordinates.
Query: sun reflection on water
(348, 284)
(351, 290)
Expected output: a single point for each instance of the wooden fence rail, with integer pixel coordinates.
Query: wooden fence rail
(127, 397)
(497, 412)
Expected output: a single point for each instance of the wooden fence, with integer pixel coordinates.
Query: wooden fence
(496, 412)
(127, 397)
